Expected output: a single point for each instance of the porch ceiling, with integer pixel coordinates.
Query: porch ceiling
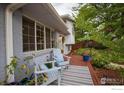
(46, 14)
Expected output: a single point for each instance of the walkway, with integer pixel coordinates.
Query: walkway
(77, 61)
(76, 75)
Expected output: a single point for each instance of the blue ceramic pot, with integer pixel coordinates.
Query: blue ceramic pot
(86, 58)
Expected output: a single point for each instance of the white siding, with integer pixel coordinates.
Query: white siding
(70, 39)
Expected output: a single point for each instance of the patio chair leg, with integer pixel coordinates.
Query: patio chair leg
(35, 79)
(67, 66)
(59, 78)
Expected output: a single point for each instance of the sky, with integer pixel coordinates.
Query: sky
(64, 8)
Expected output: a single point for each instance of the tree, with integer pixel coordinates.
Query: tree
(103, 23)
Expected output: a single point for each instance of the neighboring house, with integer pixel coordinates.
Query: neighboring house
(26, 29)
(69, 40)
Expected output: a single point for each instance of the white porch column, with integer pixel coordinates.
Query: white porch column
(9, 35)
(9, 41)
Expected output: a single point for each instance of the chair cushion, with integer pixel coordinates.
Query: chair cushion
(57, 51)
(59, 58)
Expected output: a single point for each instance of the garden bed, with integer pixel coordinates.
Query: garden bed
(112, 77)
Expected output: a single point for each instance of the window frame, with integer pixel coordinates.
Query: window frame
(53, 39)
(39, 36)
(28, 35)
(35, 24)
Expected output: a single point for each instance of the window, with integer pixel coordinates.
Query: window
(53, 39)
(40, 37)
(48, 45)
(28, 35)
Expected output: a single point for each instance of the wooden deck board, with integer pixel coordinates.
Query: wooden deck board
(76, 75)
(77, 61)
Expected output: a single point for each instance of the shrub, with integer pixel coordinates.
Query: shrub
(100, 58)
(79, 51)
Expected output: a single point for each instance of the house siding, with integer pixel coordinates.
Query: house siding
(18, 47)
(69, 39)
(2, 43)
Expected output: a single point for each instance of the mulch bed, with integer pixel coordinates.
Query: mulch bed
(112, 76)
(106, 73)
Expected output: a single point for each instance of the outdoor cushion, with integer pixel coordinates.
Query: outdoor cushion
(57, 51)
(59, 58)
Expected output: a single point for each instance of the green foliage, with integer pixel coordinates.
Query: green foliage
(2, 82)
(80, 51)
(100, 58)
(103, 23)
(24, 66)
(12, 64)
(121, 71)
(40, 80)
(11, 67)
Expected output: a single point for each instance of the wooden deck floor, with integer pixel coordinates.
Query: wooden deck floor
(76, 75)
(77, 61)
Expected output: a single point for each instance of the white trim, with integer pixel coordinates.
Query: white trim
(35, 24)
(9, 36)
(44, 37)
(50, 38)
(9, 42)
(53, 11)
